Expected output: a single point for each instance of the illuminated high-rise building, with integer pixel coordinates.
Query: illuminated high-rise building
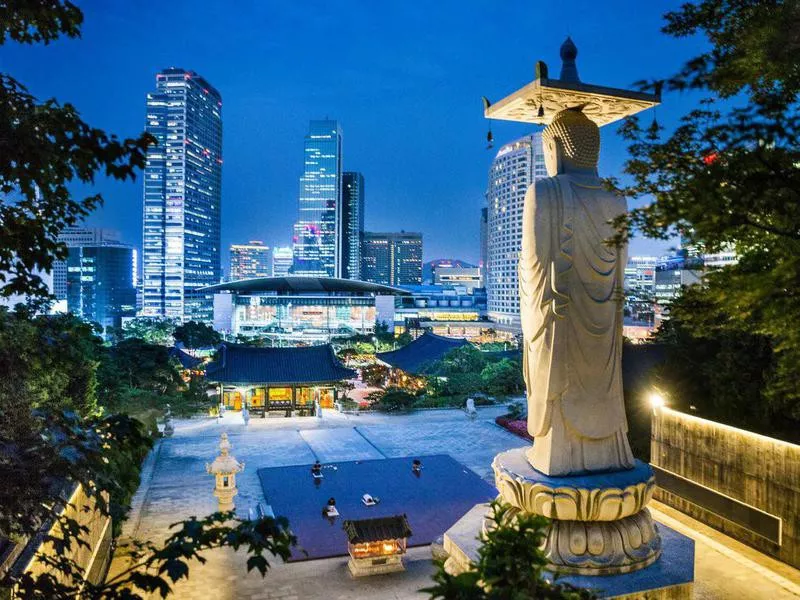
(182, 197)
(352, 226)
(253, 259)
(318, 227)
(484, 241)
(517, 165)
(75, 237)
(392, 258)
(100, 283)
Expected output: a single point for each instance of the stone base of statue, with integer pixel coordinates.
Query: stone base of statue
(670, 578)
(600, 523)
(602, 536)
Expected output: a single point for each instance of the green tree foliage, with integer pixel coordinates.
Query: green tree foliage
(149, 329)
(46, 147)
(467, 370)
(47, 362)
(392, 400)
(138, 364)
(511, 564)
(502, 378)
(375, 375)
(720, 374)
(466, 359)
(196, 335)
(727, 177)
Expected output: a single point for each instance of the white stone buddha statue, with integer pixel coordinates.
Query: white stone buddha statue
(570, 284)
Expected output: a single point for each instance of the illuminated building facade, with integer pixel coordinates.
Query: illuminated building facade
(282, 260)
(100, 283)
(516, 166)
(640, 275)
(253, 259)
(445, 310)
(352, 227)
(182, 197)
(318, 227)
(484, 237)
(73, 237)
(297, 311)
(392, 258)
(468, 277)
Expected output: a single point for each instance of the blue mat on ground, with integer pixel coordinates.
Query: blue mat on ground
(433, 502)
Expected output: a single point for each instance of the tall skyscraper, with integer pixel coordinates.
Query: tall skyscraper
(352, 226)
(253, 259)
(282, 261)
(182, 197)
(100, 283)
(317, 231)
(74, 237)
(392, 258)
(517, 165)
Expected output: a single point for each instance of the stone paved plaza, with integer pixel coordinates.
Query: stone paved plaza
(175, 486)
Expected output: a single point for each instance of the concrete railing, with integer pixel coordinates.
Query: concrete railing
(744, 484)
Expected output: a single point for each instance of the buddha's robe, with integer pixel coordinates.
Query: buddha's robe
(570, 284)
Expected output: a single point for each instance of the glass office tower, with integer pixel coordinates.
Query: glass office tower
(100, 283)
(392, 258)
(182, 197)
(352, 224)
(318, 227)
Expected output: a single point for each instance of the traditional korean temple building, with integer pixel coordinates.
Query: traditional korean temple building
(414, 358)
(285, 380)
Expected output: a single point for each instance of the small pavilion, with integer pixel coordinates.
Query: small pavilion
(284, 380)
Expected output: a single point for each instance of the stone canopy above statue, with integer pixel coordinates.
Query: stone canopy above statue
(539, 101)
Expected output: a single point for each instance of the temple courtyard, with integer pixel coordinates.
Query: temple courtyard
(175, 485)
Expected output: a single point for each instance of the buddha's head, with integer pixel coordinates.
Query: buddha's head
(571, 143)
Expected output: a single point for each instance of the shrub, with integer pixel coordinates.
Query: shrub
(394, 400)
(515, 411)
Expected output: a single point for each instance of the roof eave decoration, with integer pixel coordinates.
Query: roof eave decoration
(603, 105)
(539, 101)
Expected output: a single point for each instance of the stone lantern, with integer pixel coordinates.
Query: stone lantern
(169, 428)
(224, 469)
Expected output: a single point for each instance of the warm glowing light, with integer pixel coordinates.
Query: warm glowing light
(656, 400)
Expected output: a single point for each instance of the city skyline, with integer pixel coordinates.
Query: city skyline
(426, 167)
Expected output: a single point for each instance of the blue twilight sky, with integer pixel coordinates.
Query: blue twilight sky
(404, 79)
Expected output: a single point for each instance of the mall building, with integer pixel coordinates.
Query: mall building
(301, 311)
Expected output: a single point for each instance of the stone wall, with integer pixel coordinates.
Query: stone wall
(94, 558)
(741, 483)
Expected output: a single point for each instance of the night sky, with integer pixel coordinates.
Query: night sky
(404, 79)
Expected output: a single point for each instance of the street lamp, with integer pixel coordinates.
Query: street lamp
(657, 400)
